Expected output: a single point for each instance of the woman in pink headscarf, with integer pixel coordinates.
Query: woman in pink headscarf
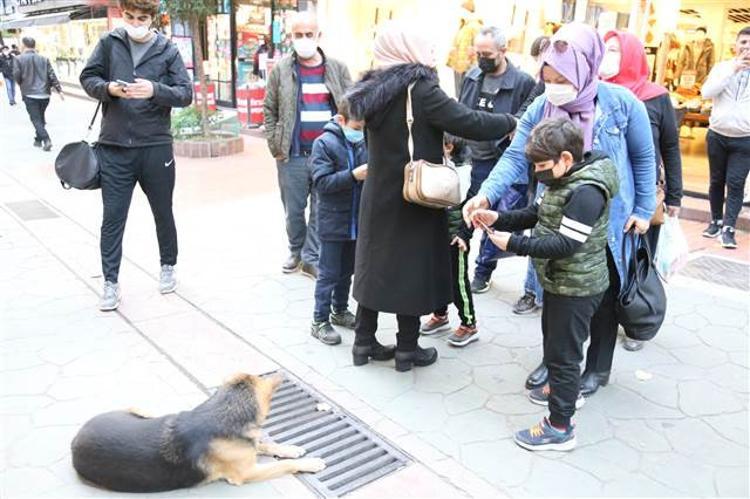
(615, 123)
(625, 64)
(403, 256)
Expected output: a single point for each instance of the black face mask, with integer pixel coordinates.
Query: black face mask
(545, 176)
(487, 64)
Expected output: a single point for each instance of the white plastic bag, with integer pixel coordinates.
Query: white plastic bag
(672, 249)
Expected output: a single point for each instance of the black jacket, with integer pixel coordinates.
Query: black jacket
(332, 160)
(402, 262)
(137, 122)
(34, 74)
(6, 65)
(666, 135)
(515, 87)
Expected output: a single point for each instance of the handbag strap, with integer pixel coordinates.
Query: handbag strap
(410, 120)
(107, 49)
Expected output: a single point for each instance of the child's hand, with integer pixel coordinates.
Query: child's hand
(461, 243)
(476, 203)
(500, 239)
(360, 173)
(486, 217)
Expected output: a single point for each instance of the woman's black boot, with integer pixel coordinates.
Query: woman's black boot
(419, 357)
(361, 354)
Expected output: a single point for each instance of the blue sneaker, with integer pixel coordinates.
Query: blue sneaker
(543, 436)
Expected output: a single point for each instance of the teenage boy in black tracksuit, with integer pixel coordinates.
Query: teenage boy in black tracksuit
(135, 143)
(339, 167)
(569, 248)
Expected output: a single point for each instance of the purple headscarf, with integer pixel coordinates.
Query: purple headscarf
(575, 52)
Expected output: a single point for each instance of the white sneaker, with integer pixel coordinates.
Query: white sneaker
(111, 297)
(167, 279)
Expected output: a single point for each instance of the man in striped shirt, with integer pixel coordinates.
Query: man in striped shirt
(301, 96)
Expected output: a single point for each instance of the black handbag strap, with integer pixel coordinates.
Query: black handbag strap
(107, 49)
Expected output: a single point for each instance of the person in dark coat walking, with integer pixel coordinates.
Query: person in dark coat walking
(402, 263)
(6, 69)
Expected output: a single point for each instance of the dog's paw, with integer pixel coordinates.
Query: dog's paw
(310, 465)
(290, 451)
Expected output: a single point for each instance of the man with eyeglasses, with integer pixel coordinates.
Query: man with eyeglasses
(302, 93)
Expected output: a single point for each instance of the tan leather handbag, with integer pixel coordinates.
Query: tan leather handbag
(428, 184)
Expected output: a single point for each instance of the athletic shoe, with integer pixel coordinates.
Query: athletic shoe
(463, 336)
(480, 285)
(713, 229)
(540, 396)
(727, 238)
(344, 319)
(111, 297)
(526, 305)
(435, 324)
(543, 436)
(167, 279)
(325, 333)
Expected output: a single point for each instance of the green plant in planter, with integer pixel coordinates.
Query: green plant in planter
(187, 124)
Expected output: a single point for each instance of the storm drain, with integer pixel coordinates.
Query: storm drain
(354, 455)
(31, 210)
(719, 271)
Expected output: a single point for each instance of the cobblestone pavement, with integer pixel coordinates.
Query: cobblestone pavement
(672, 422)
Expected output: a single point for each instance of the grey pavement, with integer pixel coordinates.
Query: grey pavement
(672, 422)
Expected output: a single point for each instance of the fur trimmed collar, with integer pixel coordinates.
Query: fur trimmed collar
(378, 87)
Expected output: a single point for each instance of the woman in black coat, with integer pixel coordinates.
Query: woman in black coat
(402, 258)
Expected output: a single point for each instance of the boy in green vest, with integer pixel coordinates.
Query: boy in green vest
(570, 221)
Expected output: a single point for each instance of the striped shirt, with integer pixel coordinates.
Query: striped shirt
(314, 109)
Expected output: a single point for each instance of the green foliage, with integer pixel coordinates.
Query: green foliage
(186, 123)
(185, 9)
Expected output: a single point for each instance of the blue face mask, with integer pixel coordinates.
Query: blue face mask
(352, 135)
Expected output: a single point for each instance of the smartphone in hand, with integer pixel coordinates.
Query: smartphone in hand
(122, 83)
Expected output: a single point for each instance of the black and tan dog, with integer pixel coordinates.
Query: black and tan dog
(218, 440)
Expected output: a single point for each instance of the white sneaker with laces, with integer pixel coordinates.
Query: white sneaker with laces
(111, 297)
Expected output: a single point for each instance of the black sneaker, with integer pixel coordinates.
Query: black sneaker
(713, 229)
(480, 285)
(325, 333)
(344, 319)
(526, 305)
(727, 238)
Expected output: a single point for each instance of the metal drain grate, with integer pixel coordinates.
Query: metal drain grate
(31, 210)
(353, 454)
(719, 271)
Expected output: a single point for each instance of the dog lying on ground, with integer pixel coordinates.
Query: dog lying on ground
(219, 440)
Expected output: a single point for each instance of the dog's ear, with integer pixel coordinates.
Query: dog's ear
(239, 378)
(264, 388)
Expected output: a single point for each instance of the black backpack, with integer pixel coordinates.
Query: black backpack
(77, 164)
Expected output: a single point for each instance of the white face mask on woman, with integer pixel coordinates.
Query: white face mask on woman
(610, 65)
(559, 94)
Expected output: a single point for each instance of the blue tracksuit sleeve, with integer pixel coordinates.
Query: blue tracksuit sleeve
(643, 160)
(326, 177)
(513, 165)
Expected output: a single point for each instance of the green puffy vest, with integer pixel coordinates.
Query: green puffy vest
(585, 273)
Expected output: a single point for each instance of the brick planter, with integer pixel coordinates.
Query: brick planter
(213, 148)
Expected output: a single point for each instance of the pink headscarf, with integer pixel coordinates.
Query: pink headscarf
(399, 43)
(575, 52)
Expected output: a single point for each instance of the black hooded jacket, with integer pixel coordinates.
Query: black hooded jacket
(137, 122)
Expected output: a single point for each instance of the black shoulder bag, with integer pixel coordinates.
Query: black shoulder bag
(77, 165)
(642, 303)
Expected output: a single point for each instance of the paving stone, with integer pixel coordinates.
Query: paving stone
(31, 381)
(491, 461)
(640, 436)
(465, 400)
(730, 376)
(672, 336)
(720, 315)
(498, 380)
(691, 322)
(659, 390)
(27, 482)
(696, 440)
(680, 473)
(443, 442)
(728, 339)
(14, 362)
(637, 485)
(730, 425)
(569, 480)
(434, 380)
(513, 404)
(700, 356)
(608, 460)
(703, 398)
(476, 426)
(23, 404)
(732, 482)
(417, 411)
(740, 358)
(42, 446)
(14, 426)
(678, 371)
(625, 404)
(375, 381)
(592, 424)
(484, 354)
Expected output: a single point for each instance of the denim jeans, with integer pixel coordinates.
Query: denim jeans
(335, 270)
(728, 164)
(531, 284)
(10, 87)
(36, 109)
(295, 184)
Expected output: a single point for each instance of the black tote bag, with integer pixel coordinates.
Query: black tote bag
(642, 303)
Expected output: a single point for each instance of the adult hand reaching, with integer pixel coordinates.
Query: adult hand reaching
(478, 202)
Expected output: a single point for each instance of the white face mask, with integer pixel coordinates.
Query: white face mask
(610, 65)
(305, 47)
(559, 94)
(137, 33)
